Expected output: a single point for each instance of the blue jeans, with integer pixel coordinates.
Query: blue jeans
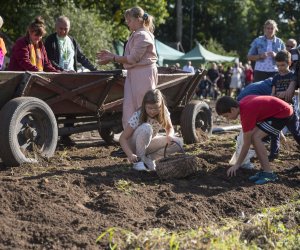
(294, 127)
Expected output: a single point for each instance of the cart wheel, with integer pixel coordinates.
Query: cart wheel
(196, 118)
(109, 136)
(28, 130)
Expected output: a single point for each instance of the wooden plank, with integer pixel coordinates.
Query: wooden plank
(68, 94)
(78, 100)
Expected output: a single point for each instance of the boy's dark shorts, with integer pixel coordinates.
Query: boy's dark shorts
(273, 126)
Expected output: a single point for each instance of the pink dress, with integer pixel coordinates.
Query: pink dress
(141, 72)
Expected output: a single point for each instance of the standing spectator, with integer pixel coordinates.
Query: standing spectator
(236, 83)
(63, 50)
(243, 75)
(139, 59)
(29, 53)
(248, 74)
(2, 48)
(263, 51)
(291, 44)
(177, 65)
(227, 76)
(202, 88)
(280, 84)
(221, 80)
(212, 77)
(188, 67)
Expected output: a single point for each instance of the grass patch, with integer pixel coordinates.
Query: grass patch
(124, 186)
(273, 228)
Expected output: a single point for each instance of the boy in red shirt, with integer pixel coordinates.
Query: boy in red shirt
(260, 116)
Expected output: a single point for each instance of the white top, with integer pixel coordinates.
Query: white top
(189, 69)
(134, 121)
(66, 53)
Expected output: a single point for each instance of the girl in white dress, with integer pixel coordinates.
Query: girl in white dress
(140, 139)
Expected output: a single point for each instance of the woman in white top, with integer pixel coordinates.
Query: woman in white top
(236, 81)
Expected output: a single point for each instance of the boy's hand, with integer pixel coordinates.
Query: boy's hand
(232, 170)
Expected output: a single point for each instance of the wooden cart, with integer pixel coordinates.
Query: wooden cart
(37, 108)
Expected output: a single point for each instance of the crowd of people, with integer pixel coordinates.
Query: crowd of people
(260, 91)
(222, 80)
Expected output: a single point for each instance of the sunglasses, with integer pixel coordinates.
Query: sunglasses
(288, 46)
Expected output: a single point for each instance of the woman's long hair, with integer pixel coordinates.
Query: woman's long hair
(154, 97)
(138, 12)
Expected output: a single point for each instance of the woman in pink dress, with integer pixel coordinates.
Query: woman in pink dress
(139, 59)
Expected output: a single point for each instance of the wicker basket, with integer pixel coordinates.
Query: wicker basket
(176, 166)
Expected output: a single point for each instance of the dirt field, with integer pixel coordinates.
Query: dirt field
(83, 191)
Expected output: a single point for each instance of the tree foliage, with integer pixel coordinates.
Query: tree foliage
(232, 24)
(113, 11)
(89, 30)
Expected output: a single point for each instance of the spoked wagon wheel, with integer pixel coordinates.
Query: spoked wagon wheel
(196, 118)
(28, 130)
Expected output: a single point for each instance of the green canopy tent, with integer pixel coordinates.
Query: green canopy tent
(200, 55)
(119, 47)
(166, 54)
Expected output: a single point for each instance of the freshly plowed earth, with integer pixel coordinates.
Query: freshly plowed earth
(82, 191)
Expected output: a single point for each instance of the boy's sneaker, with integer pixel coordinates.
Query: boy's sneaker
(263, 177)
(272, 157)
(267, 177)
(140, 166)
(256, 176)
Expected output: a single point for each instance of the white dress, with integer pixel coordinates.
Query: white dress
(236, 82)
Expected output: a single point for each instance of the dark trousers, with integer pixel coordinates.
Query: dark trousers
(262, 75)
(294, 127)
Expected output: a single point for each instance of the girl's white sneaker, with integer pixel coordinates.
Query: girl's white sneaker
(140, 166)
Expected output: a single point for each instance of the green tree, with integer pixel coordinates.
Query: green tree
(95, 24)
(113, 11)
(87, 26)
(231, 23)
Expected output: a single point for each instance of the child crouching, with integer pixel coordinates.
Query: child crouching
(140, 139)
(260, 116)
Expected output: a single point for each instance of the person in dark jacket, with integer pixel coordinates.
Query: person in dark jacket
(64, 53)
(28, 53)
(63, 50)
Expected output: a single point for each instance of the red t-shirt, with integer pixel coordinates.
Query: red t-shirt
(254, 109)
